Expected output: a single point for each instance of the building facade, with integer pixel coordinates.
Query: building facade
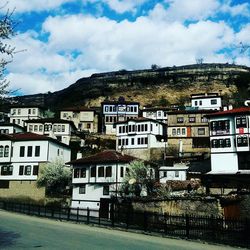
(117, 111)
(60, 129)
(19, 114)
(141, 137)
(188, 132)
(21, 157)
(159, 114)
(209, 101)
(97, 178)
(85, 119)
(8, 128)
(230, 141)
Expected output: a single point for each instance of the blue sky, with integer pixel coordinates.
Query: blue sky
(63, 40)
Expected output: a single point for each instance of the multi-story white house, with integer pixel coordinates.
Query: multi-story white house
(159, 114)
(8, 128)
(21, 156)
(117, 111)
(96, 178)
(61, 129)
(140, 137)
(206, 101)
(177, 172)
(19, 114)
(85, 119)
(230, 141)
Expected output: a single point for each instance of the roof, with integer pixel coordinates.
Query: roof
(78, 108)
(193, 111)
(236, 111)
(140, 119)
(156, 109)
(107, 156)
(50, 120)
(121, 103)
(29, 137)
(26, 106)
(10, 125)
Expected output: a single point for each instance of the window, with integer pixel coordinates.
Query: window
(201, 131)
(1, 151)
(178, 131)
(47, 127)
(4, 184)
(29, 154)
(21, 170)
(119, 142)
(121, 172)
(6, 151)
(22, 151)
(30, 128)
(35, 170)
(195, 103)
(29, 111)
(55, 128)
(213, 102)
(101, 172)
(59, 128)
(7, 170)
(82, 189)
(191, 119)
(132, 141)
(214, 143)
(19, 111)
(200, 103)
(222, 125)
(176, 174)
(106, 190)
(173, 131)
(93, 172)
(36, 128)
(242, 141)
(40, 128)
(37, 151)
(180, 119)
(109, 171)
(33, 111)
(63, 128)
(27, 170)
(204, 119)
(83, 173)
(241, 122)
(183, 131)
(228, 143)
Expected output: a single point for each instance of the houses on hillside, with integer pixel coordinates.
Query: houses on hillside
(22, 155)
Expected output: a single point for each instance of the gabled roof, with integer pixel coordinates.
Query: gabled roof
(140, 119)
(236, 111)
(29, 137)
(51, 120)
(107, 156)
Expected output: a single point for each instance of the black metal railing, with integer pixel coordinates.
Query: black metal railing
(213, 229)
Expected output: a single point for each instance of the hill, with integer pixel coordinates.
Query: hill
(160, 86)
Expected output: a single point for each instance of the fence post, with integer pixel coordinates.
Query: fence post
(187, 225)
(68, 215)
(145, 221)
(99, 219)
(77, 214)
(87, 215)
(112, 215)
(165, 223)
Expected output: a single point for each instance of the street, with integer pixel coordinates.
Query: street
(26, 232)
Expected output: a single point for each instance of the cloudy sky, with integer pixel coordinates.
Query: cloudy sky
(63, 40)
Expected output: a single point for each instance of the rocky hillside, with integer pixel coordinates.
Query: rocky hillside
(161, 86)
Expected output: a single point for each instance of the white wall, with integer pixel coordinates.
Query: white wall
(224, 163)
(206, 103)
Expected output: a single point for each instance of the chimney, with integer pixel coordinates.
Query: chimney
(230, 107)
(225, 108)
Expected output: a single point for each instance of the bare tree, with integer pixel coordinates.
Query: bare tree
(7, 51)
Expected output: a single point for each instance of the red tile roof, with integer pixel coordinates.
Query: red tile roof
(107, 156)
(241, 110)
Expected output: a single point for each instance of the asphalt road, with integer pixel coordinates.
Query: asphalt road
(25, 232)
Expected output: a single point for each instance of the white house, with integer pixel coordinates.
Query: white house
(177, 172)
(21, 156)
(211, 101)
(139, 136)
(230, 141)
(159, 114)
(8, 128)
(117, 111)
(85, 119)
(96, 178)
(19, 114)
(61, 129)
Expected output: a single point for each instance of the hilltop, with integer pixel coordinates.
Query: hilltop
(158, 87)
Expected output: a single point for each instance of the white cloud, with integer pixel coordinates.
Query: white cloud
(33, 5)
(120, 6)
(234, 10)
